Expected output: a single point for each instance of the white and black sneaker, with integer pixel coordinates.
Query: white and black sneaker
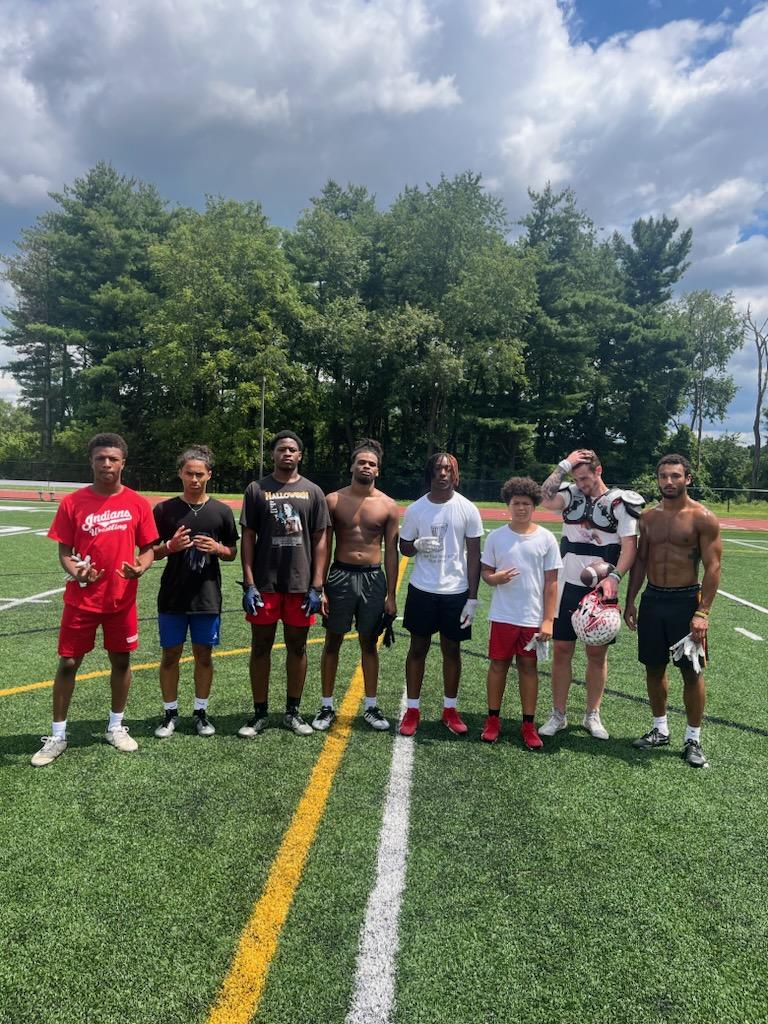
(168, 725)
(694, 755)
(253, 727)
(375, 719)
(203, 724)
(651, 740)
(324, 718)
(292, 720)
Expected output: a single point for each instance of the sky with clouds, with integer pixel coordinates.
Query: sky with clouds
(648, 107)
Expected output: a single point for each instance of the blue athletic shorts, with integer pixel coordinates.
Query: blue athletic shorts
(203, 629)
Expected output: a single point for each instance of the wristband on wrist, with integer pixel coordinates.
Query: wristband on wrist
(704, 615)
(616, 575)
(565, 465)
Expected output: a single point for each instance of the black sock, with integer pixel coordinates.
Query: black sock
(292, 705)
(527, 718)
(260, 710)
(494, 712)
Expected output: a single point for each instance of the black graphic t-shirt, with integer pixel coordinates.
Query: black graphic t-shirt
(191, 580)
(284, 517)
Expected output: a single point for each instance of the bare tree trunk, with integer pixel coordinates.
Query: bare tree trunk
(760, 338)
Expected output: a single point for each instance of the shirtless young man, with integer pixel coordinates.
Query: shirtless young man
(599, 522)
(361, 517)
(674, 537)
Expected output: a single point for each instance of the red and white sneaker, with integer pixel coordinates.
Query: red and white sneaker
(452, 721)
(410, 722)
(531, 738)
(492, 729)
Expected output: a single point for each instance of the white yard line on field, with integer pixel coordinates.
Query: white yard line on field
(373, 997)
(748, 544)
(11, 531)
(32, 599)
(746, 632)
(740, 600)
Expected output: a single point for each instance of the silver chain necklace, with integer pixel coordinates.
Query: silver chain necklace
(194, 510)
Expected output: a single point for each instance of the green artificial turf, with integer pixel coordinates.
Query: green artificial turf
(589, 883)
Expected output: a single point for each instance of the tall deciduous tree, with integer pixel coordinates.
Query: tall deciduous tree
(756, 330)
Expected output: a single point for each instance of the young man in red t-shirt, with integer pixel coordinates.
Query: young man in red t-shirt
(98, 529)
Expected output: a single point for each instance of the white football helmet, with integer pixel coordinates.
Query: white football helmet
(596, 621)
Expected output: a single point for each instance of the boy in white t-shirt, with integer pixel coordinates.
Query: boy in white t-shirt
(520, 561)
(441, 532)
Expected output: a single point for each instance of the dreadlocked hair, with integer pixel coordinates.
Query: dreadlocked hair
(433, 460)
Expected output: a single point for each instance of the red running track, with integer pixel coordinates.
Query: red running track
(489, 515)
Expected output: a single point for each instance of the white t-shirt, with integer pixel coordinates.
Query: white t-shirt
(521, 601)
(443, 571)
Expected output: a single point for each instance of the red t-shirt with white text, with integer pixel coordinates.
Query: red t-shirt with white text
(109, 528)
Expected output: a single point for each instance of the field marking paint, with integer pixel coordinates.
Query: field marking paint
(740, 600)
(18, 508)
(746, 632)
(16, 601)
(243, 986)
(748, 544)
(14, 531)
(104, 673)
(374, 992)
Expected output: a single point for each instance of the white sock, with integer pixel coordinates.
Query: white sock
(661, 724)
(450, 702)
(414, 703)
(369, 702)
(692, 733)
(170, 705)
(59, 730)
(115, 720)
(327, 702)
(201, 703)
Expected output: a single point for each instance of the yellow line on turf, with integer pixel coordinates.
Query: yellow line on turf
(104, 673)
(243, 986)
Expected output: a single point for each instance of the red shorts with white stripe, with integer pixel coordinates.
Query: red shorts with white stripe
(77, 635)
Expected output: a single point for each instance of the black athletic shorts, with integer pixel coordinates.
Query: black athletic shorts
(562, 628)
(664, 618)
(355, 591)
(426, 614)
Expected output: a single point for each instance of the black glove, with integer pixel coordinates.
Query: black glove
(251, 599)
(386, 623)
(196, 559)
(312, 601)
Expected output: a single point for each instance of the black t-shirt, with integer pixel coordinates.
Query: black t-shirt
(284, 517)
(183, 588)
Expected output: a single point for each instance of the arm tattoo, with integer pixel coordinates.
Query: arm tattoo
(551, 485)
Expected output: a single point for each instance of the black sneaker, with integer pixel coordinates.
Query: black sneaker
(694, 755)
(375, 719)
(203, 723)
(324, 719)
(168, 725)
(654, 738)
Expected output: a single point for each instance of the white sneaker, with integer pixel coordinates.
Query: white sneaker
(292, 720)
(593, 725)
(555, 723)
(120, 740)
(168, 725)
(50, 750)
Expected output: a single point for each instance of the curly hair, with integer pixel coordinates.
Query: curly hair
(197, 453)
(368, 445)
(673, 459)
(108, 441)
(521, 487)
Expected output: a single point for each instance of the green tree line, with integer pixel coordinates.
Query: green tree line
(437, 322)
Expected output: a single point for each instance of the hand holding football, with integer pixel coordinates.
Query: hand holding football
(594, 572)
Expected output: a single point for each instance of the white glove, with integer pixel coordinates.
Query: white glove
(540, 646)
(425, 545)
(689, 648)
(468, 613)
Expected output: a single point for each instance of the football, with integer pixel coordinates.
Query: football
(594, 572)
